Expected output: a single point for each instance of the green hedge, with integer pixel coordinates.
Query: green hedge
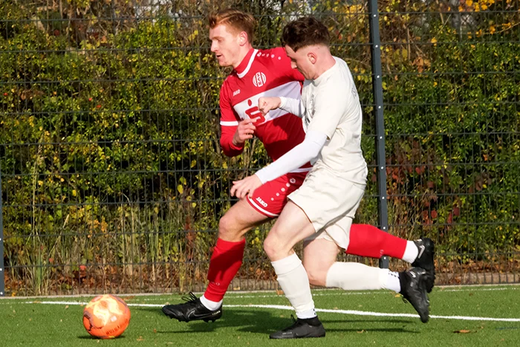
(110, 154)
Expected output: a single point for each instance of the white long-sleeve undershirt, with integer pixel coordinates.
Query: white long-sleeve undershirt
(294, 106)
(295, 158)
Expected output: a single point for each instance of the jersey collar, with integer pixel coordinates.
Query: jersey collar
(246, 63)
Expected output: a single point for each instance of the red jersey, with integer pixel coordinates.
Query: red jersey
(262, 73)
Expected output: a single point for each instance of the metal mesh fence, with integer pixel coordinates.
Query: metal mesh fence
(112, 178)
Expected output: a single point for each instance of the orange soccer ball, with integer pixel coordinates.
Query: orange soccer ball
(106, 316)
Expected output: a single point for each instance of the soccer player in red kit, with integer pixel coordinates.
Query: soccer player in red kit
(264, 73)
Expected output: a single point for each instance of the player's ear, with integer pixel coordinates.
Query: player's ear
(312, 57)
(242, 38)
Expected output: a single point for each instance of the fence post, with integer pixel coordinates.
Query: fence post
(2, 269)
(377, 89)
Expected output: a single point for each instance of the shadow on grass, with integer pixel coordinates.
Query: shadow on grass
(384, 330)
(242, 320)
(88, 337)
(265, 322)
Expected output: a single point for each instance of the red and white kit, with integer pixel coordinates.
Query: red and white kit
(264, 73)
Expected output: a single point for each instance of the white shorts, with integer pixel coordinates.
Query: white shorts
(330, 202)
(339, 233)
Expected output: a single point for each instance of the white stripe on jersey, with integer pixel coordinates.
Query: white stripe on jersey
(289, 90)
(229, 124)
(240, 75)
(304, 169)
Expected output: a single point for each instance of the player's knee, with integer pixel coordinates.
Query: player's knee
(227, 228)
(313, 276)
(317, 276)
(272, 248)
(269, 248)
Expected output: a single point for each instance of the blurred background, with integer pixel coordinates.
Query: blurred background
(111, 175)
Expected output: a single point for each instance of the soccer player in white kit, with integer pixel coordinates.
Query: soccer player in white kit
(322, 209)
(261, 73)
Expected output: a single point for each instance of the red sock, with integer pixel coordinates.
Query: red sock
(368, 241)
(223, 266)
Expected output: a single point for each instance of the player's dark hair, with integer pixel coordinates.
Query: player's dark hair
(305, 31)
(235, 20)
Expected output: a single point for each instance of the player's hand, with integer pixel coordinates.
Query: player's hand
(245, 187)
(267, 104)
(245, 131)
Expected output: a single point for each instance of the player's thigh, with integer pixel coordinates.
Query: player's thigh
(291, 227)
(271, 197)
(238, 220)
(318, 256)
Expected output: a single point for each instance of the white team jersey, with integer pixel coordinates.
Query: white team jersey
(331, 106)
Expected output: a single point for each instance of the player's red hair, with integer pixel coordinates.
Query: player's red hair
(235, 20)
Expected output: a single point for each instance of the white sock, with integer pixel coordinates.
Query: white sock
(210, 305)
(355, 276)
(391, 281)
(295, 284)
(410, 252)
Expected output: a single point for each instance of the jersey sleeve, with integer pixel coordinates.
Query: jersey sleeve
(303, 153)
(228, 125)
(294, 106)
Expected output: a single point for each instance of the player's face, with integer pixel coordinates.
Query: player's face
(301, 60)
(226, 45)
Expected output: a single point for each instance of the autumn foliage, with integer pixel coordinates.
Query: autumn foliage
(111, 172)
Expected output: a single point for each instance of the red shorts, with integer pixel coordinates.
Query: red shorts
(270, 198)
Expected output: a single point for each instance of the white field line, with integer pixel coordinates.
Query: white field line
(272, 293)
(281, 307)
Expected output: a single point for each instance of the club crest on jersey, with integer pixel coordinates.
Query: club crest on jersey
(259, 79)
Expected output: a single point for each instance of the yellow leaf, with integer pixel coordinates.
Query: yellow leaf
(180, 189)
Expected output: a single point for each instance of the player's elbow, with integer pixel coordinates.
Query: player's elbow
(313, 153)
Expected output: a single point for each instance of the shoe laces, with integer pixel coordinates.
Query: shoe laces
(190, 298)
(295, 323)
